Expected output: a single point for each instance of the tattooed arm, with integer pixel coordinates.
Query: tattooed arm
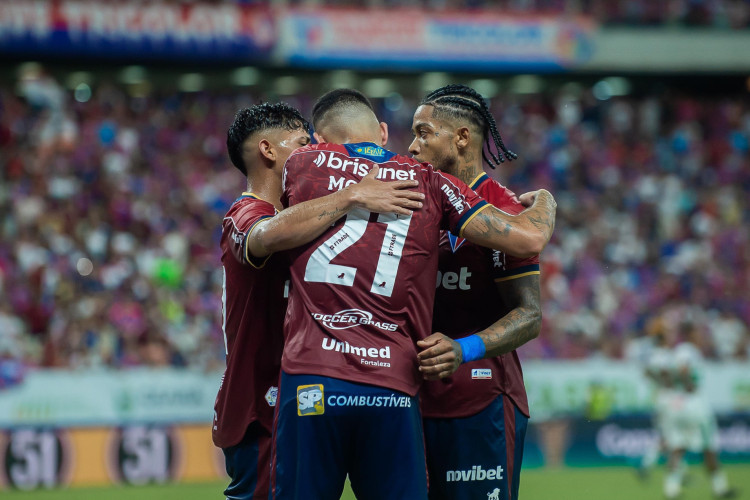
(306, 221)
(523, 235)
(441, 355)
(522, 323)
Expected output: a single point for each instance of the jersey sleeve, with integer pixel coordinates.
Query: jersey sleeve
(239, 223)
(507, 267)
(457, 200)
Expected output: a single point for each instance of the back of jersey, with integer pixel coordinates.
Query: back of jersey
(362, 293)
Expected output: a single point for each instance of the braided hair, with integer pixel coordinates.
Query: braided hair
(459, 101)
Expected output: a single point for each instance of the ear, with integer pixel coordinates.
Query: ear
(266, 150)
(463, 137)
(319, 138)
(383, 133)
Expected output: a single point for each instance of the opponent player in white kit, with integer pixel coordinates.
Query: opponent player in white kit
(684, 418)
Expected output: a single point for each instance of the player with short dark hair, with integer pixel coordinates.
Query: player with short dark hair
(485, 295)
(361, 296)
(254, 299)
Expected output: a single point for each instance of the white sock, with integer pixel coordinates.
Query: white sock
(672, 484)
(719, 482)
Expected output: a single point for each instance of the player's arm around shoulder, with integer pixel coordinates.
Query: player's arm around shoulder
(523, 235)
(303, 222)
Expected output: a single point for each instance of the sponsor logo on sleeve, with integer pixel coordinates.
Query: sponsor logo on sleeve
(310, 400)
(453, 199)
(481, 373)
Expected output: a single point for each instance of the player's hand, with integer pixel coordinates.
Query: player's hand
(528, 199)
(546, 206)
(440, 356)
(386, 197)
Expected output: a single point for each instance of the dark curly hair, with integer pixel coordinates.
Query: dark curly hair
(263, 116)
(460, 101)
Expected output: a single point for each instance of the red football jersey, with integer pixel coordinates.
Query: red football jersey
(254, 305)
(467, 302)
(362, 293)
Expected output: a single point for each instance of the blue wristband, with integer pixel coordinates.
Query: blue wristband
(472, 348)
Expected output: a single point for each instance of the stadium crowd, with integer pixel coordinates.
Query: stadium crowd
(732, 14)
(112, 211)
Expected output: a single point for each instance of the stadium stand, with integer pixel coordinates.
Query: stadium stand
(97, 270)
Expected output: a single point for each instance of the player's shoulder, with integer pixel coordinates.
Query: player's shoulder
(430, 170)
(497, 194)
(249, 203)
(405, 162)
(424, 171)
(317, 148)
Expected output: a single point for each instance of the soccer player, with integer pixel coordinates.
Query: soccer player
(361, 295)
(486, 299)
(659, 370)
(690, 424)
(254, 300)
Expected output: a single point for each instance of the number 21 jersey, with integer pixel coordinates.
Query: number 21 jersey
(362, 293)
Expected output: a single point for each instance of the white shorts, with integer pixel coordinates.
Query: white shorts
(686, 422)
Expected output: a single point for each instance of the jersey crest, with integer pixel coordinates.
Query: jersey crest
(455, 241)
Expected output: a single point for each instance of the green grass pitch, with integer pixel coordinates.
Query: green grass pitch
(536, 484)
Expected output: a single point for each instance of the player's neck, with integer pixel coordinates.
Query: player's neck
(468, 166)
(356, 139)
(267, 189)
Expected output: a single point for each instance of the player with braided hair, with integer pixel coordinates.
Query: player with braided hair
(487, 305)
(460, 101)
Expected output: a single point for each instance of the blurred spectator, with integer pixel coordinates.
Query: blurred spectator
(53, 129)
(729, 335)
